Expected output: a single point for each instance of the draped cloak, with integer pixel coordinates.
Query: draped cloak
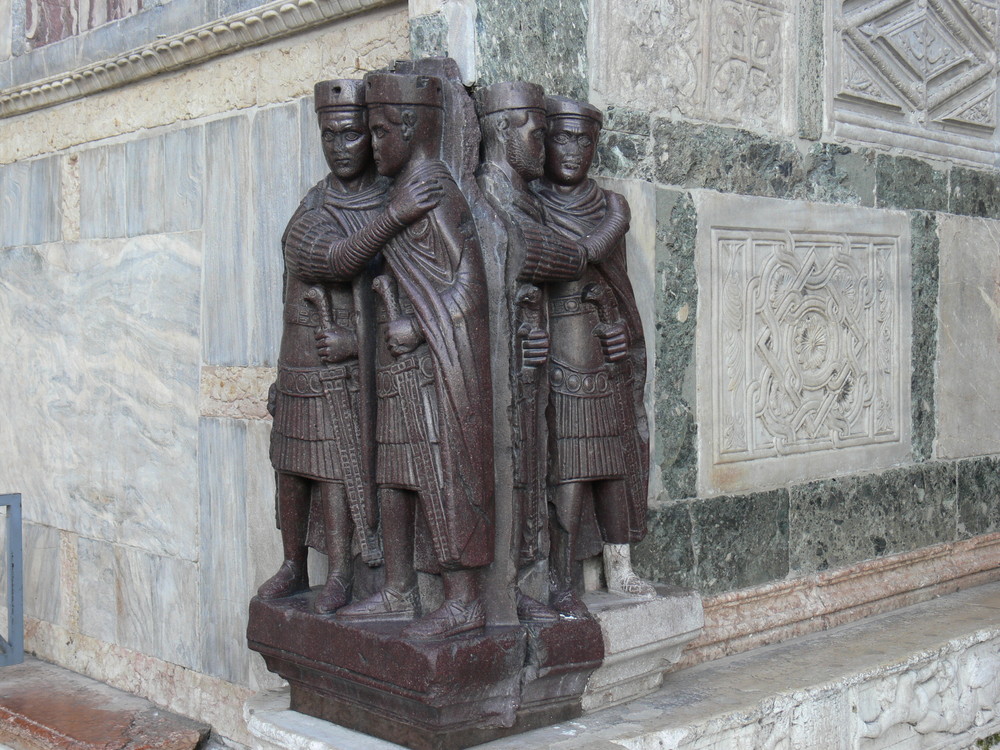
(576, 214)
(326, 216)
(438, 266)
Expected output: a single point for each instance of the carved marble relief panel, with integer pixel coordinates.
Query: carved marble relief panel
(919, 74)
(803, 341)
(720, 60)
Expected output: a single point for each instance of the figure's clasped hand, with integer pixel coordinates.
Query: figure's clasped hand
(614, 341)
(403, 336)
(335, 345)
(534, 345)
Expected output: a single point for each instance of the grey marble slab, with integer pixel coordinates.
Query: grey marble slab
(42, 582)
(103, 192)
(227, 292)
(158, 611)
(165, 176)
(100, 425)
(224, 586)
(97, 580)
(29, 202)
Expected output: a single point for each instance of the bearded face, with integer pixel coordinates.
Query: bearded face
(526, 143)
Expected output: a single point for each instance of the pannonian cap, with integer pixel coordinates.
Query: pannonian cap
(499, 97)
(561, 106)
(340, 93)
(396, 88)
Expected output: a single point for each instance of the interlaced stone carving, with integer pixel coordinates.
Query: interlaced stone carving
(803, 341)
(807, 324)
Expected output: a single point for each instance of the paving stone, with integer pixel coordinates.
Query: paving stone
(45, 707)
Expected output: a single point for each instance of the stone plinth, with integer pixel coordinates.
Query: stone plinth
(428, 695)
(642, 639)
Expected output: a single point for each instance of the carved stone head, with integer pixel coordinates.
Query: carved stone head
(571, 139)
(404, 116)
(343, 125)
(513, 125)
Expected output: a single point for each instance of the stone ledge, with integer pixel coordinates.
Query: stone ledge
(741, 620)
(925, 676)
(271, 21)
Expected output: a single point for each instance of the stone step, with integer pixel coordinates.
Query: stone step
(925, 677)
(45, 707)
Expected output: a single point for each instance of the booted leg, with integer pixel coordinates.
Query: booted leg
(338, 526)
(564, 528)
(611, 505)
(293, 510)
(461, 612)
(398, 599)
(618, 571)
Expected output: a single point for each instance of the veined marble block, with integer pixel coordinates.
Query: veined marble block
(914, 74)
(720, 60)
(803, 341)
(29, 202)
(102, 439)
(968, 392)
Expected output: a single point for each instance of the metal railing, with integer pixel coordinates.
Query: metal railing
(12, 647)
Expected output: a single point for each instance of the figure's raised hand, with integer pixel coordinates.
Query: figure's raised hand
(411, 200)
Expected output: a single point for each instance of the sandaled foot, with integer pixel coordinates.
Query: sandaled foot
(291, 578)
(532, 610)
(631, 585)
(451, 618)
(569, 605)
(334, 595)
(387, 604)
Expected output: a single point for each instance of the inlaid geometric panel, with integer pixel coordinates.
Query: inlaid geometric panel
(920, 74)
(721, 60)
(803, 340)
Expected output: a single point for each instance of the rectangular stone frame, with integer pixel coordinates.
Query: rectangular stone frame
(879, 238)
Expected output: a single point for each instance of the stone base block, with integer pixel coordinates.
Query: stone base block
(642, 639)
(428, 695)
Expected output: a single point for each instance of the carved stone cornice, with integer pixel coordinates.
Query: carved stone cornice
(265, 23)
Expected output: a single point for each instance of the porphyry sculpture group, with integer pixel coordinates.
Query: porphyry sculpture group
(459, 393)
